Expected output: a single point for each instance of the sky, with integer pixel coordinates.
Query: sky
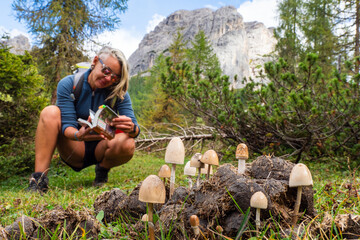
(142, 16)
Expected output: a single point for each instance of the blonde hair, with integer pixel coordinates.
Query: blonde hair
(120, 88)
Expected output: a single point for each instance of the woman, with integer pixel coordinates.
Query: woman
(106, 81)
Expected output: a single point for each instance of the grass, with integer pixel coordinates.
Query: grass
(335, 190)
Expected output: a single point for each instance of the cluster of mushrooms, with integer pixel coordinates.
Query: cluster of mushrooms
(153, 190)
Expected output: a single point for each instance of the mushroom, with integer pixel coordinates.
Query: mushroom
(259, 201)
(164, 172)
(195, 162)
(300, 176)
(145, 218)
(189, 171)
(175, 154)
(210, 157)
(152, 190)
(195, 222)
(205, 169)
(242, 154)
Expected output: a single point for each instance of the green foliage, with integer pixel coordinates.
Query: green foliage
(20, 96)
(16, 158)
(292, 114)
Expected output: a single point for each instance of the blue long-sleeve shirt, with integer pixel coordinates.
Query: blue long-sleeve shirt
(88, 99)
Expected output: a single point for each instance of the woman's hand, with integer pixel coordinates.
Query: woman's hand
(123, 123)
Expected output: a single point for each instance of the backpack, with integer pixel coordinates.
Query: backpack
(80, 69)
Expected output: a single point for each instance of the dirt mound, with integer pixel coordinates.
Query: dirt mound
(58, 222)
(224, 198)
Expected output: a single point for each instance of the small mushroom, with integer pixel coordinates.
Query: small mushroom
(210, 157)
(195, 162)
(145, 218)
(259, 201)
(242, 154)
(219, 229)
(189, 171)
(300, 176)
(195, 222)
(175, 154)
(152, 190)
(164, 172)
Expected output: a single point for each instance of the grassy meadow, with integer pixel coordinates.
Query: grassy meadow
(334, 184)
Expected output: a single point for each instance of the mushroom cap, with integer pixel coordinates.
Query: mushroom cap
(188, 170)
(194, 221)
(195, 161)
(204, 170)
(259, 200)
(164, 171)
(175, 151)
(210, 157)
(145, 218)
(300, 176)
(152, 190)
(242, 152)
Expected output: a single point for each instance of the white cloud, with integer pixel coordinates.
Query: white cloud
(156, 19)
(259, 10)
(125, 40)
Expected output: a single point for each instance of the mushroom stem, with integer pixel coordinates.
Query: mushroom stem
(198, 177)
(297, 204)
(172, 179)
(190, 182)
(208, 173)
(257, 219)
(151, 224)
(241, 166)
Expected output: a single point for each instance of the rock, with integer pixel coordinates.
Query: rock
(18, 44)
(108, 202)
(239, 46)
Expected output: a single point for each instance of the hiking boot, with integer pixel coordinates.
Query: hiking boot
(38, 182)
(101, 176)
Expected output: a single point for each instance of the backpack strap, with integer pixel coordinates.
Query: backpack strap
(77, 86)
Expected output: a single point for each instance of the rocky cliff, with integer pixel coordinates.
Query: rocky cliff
(239, 46)
(18, 44)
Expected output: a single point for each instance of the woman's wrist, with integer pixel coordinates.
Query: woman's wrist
(76, 138)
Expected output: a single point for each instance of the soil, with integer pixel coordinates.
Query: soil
(223, 200)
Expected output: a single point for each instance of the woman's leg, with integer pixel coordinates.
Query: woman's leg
(111, 154)
(116, 151)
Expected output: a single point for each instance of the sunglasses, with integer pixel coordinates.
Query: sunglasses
(108, 72)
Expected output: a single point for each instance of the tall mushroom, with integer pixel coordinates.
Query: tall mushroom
(195, 162)
(164, 172)
(259, 201)
(195, 222)
(210, 157)
(152, 190)
(300, 176)
(242, 154)
(175, 154)
(189, 171)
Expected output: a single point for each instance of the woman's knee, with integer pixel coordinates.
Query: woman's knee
(50, 114)
(123, 147)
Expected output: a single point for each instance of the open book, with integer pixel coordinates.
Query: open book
(100, 121)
